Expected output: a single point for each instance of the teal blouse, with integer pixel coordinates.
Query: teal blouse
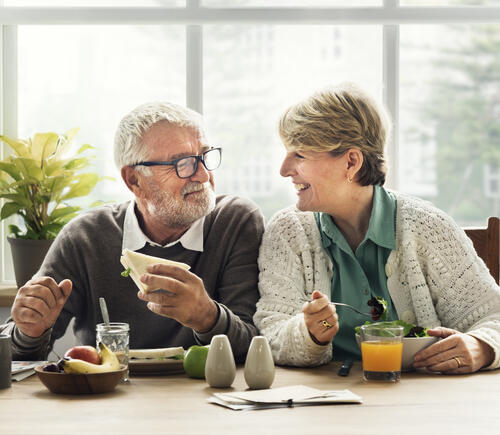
(357, 276)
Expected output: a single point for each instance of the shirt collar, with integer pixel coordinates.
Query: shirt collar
(134, 239)
(381, 229)
(382, 220)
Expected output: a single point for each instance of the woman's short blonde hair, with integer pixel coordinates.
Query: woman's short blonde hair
(335, 120)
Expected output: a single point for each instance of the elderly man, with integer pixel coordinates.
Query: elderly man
(167, 163)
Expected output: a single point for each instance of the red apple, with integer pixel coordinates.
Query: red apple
(85, 353)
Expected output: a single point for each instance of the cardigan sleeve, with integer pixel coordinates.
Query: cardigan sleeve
(287, 278)
(443, 276)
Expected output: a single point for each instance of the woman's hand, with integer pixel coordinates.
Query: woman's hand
(457, 353)
(321, 318)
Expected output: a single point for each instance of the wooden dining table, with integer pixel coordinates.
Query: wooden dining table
(420, 403)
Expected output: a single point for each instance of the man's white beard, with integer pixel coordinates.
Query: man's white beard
(177, 213)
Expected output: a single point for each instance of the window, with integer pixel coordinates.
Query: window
(242, 62)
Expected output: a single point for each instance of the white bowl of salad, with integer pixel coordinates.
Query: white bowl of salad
(415, 339)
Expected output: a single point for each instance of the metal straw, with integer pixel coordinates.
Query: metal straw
(104, 311)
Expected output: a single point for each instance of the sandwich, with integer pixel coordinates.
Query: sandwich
(136, 264)
(156, 354)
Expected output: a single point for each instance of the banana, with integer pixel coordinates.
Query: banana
(109, 363)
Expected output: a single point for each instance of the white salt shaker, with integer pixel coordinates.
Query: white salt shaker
(259, 365)
(220, 368)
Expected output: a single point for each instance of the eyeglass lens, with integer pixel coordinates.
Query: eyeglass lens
(187, 167)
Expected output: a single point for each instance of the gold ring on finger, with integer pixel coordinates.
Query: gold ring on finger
(457, 359)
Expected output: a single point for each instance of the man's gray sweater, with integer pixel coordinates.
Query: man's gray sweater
(88, 249)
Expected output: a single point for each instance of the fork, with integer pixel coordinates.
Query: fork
(345, 305)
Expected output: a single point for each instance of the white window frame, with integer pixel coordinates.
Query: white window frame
(390, 14)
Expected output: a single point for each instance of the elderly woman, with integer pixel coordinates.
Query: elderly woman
(349, 239)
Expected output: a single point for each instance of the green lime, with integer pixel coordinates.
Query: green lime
(194, 361)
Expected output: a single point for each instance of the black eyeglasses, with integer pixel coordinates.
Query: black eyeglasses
(186, 167)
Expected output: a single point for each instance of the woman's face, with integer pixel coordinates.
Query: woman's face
(320, 179)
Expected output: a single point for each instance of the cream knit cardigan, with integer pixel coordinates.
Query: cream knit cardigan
(434, 278)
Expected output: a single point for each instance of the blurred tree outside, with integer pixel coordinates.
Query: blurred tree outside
(464, 112)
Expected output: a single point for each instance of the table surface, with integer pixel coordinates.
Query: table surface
(420, 403)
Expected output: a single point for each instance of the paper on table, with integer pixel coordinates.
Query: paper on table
(296, 395)
(276, 395)
(22, 369)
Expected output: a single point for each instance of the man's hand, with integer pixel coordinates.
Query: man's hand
(321, 318)
(186, 301)
(457, 353)
(38, 304)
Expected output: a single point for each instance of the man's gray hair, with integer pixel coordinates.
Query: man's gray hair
(129, 148)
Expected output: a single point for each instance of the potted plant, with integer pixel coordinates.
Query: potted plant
(36, 182)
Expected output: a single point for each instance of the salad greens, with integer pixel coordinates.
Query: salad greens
(378, 308)
(409, 329)
(126, 272)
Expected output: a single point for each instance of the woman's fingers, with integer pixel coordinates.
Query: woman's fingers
(456, 354)
(318, 303)
(322, 324)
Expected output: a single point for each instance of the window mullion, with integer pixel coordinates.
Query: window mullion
(391, 98)
(8, 117)
(194, 67)
(194, 62)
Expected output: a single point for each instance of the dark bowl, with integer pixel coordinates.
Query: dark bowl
(91, 383)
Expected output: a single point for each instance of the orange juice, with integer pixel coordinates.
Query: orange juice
(381, 356)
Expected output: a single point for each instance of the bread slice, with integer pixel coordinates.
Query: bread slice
(137, 264)
(167, 352)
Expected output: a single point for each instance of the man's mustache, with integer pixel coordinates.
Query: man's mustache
(194, 187)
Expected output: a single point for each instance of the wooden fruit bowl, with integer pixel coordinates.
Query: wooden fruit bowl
(92, 383)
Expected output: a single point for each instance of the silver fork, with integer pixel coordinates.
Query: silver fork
(344, 305)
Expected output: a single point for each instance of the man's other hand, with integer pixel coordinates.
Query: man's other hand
(38, 304)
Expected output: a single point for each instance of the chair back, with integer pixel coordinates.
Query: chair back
(486, 241)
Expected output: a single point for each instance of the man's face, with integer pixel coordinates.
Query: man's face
(176, 202)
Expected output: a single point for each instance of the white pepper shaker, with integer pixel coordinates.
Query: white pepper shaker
(259, 365)
(220, 368)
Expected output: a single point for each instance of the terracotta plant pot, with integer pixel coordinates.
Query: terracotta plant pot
(27, 256)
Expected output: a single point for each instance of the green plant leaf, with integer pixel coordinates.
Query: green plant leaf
(84, 148)
(75, 164)
(10, 208)
(54, 167)
(56, 185)
(65, 219)
(14, 229)
(65, 142)
(83, 185)
(43, 145)
(42, 179)
(50, 231)
(71, 134)
(29, 169)
(20, 147)
(17, 198)
(11, 169)
(63, 211)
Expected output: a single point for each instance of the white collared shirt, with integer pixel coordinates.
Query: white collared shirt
(134, 239)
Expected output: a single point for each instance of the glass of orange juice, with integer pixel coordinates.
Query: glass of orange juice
(381, 352)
